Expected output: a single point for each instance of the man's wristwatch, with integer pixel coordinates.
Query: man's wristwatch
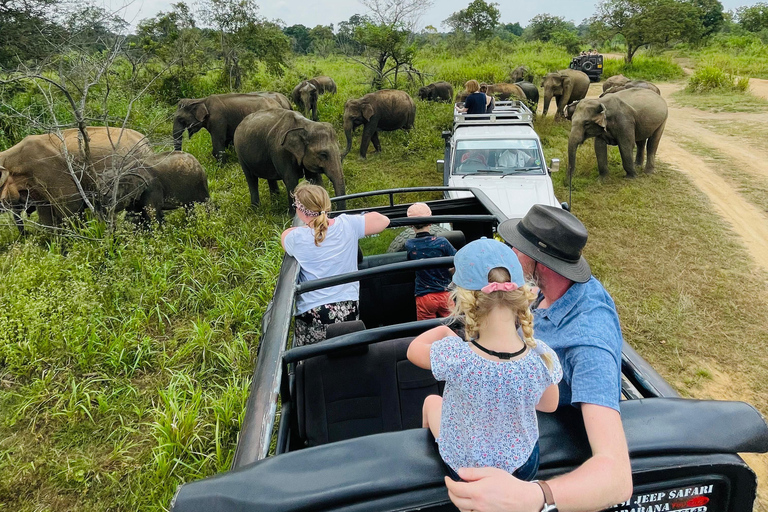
(549, 500)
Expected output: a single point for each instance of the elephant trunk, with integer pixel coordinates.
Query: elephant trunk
(348, 134)
(178, 133)
(547, 98)
(339, 189)
(574, 140)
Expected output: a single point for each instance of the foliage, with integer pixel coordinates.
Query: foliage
(25, 31)
(743, 55)
(753, 18)
(480, 18)
(300, 40)
(710, 79)
(545, 27)
(711, 16)
(646, 22)
(644, 67)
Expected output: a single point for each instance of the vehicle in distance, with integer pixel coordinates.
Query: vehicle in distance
(347, 436)
(592, 65)
(499, 153)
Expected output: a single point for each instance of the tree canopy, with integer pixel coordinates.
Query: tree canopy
(479, 18)
(753, 18)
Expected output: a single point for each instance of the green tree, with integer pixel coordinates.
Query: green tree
(171, 36)
(479, 18)
(513, 28)
(543, 27)
(711, 16)
(25, 30)
(323, 39)
(300, 40)
(753, 18)
(646, 22)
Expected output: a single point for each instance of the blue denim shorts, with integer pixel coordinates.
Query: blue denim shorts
(525, 472)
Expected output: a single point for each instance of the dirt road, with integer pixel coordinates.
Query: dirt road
(692, 146)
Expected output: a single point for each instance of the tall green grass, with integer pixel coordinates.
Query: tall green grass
(744, 55)
(644, 67)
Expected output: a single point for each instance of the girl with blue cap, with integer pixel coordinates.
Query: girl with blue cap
(496, 380)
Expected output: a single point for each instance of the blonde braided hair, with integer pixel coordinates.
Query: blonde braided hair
(315, 199)
(471, 307)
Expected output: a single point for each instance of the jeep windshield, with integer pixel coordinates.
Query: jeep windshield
(511, 156)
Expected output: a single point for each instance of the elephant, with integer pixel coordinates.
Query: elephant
(505, 91)
(642, 84)
(384, 110)
(324, 84)
(305, 97)
(162, 181)
(519, 74)
(280, 144)
(437, 91)
(625, 119)
(35, 174)
(220, 114)
(565, 86)
(614, 81)
(531, 94)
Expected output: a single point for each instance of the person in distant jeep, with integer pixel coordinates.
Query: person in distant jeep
(576, 317)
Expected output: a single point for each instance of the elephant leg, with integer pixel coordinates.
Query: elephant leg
(376, 143)
(601, 153)
(640, 156)
(219, 150)
(368, 133)
(625, 149)
(653, 146)
(45, 216)
(253, 187)
(273, 187)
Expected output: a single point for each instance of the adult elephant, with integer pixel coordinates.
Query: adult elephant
(220, 114)
(505, 91)
(565, 86)
(625, 119)
(279, 144)
(639, 84)
(614, 81)
(531, 93)
(160, 182)
(384, 110)
(437, 91)
(521, 73)
(53, 176)
(305, 97)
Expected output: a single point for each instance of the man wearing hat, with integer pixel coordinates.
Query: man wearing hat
(577, 318)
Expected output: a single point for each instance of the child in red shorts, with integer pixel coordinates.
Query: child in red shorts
(432, 296)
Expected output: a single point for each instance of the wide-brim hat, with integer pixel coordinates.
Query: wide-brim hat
(552, 237)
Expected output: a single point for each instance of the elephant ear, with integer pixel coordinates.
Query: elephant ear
(3, 176)
(600, 118)
(200, 111)
(367, 111)
(8, 189)
(295, 141)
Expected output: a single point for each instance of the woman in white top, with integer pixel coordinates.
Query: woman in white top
(326, 247)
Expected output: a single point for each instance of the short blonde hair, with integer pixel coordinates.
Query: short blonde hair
(472, 307)
(472, 86)
(315, 199)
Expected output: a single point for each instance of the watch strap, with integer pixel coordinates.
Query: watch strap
(549, 499)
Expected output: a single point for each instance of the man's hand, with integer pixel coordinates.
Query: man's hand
(493, 490)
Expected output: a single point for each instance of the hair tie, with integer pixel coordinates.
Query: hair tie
(303, 209)
(499, 287)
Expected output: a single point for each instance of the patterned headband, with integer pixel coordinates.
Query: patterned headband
(303, 209)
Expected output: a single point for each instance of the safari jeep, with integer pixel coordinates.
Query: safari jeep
(501, 154)
(335, 426)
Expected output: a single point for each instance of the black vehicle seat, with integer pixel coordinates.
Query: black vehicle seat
(343, 396)
(457, 238)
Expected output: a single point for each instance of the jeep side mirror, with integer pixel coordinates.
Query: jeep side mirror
(554, 166)
(441, 166)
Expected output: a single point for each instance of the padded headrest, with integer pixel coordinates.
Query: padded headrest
(337, 329)
(457, 238)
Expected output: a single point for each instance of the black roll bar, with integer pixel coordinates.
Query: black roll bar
(350, 277)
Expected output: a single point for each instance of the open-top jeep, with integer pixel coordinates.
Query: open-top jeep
(501, 154)
(592, 65)
(335, 426)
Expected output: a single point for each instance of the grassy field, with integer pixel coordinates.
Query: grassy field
(125, 361)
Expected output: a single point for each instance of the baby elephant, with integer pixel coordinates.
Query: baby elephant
(306, 93)
(162, 181)
(436, 91)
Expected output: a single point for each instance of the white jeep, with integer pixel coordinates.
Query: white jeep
(499, 153)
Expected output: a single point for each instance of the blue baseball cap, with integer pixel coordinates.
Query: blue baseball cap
(476, 259)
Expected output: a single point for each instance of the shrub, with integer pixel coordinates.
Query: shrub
(644, 67)
(710, 78)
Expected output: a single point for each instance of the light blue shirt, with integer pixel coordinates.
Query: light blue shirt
(582, 327)
(337, 254)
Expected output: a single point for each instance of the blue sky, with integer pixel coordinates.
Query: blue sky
(323, 12)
